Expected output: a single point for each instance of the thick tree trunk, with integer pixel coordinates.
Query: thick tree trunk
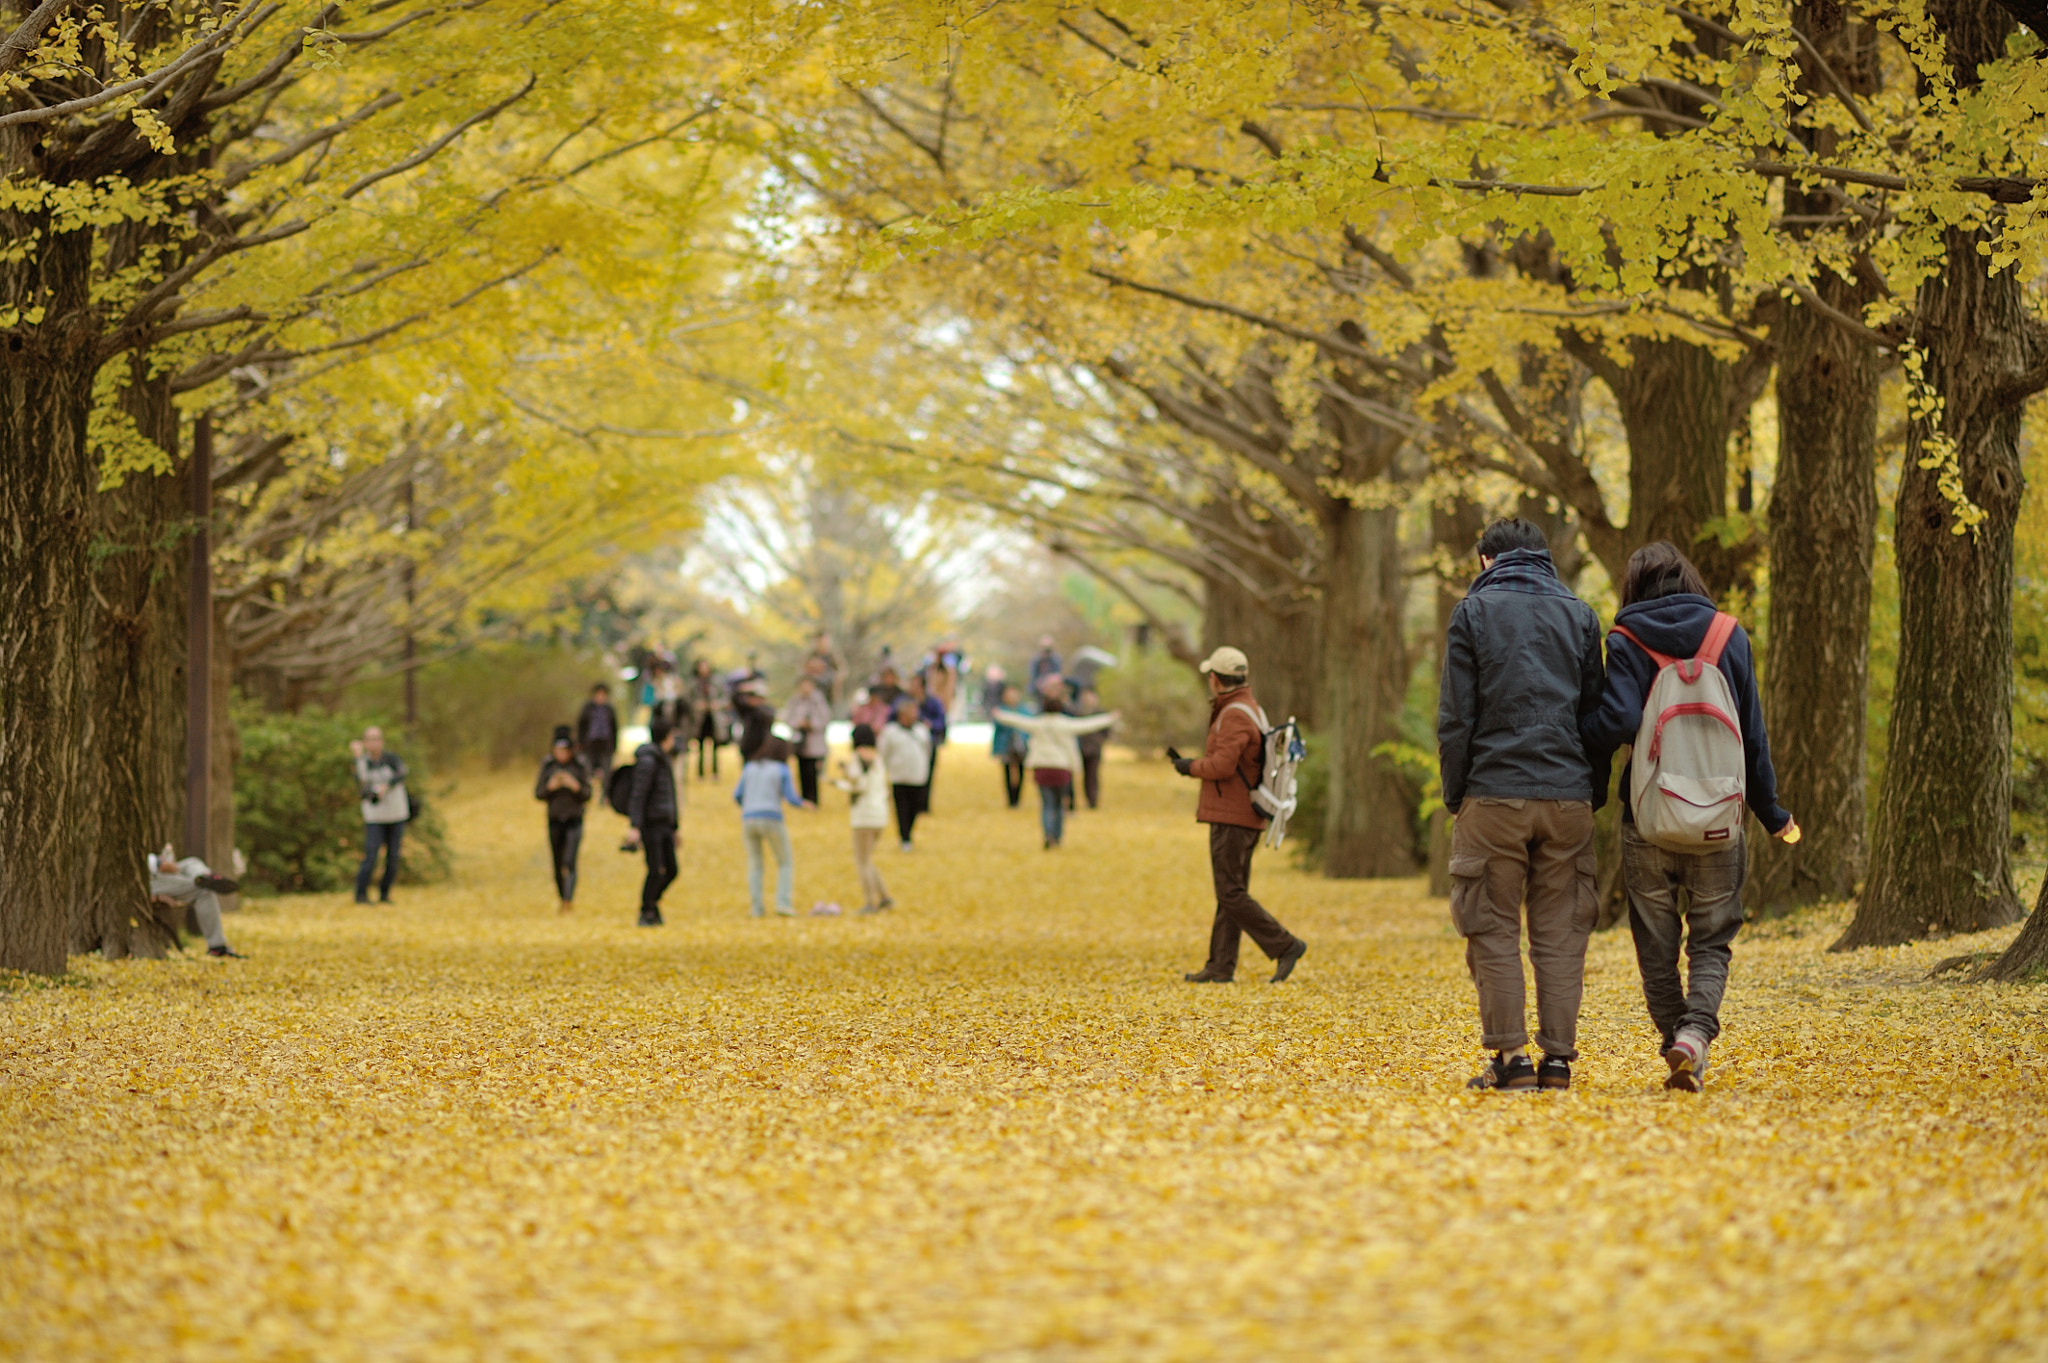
(1940, 840)
(1284, 645)
(1455, 526)
(1940, 843)
(227, 751)
(47, 480)
(1674, 400)
(136, 697)
(2026, 960)
(1369, 827)
(1823, 519)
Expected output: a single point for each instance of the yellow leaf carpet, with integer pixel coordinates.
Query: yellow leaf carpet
(990, 1124)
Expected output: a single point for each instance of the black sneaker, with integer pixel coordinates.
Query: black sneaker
(1205, 976)
(218, 884)
(1554, 1073)
(1505, 1076)
(229, 952)
(650, 918)
(1288, 959)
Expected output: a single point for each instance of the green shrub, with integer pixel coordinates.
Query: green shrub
(1161, 701)
(298, 818)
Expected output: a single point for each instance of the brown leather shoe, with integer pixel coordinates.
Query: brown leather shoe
(1206, 976)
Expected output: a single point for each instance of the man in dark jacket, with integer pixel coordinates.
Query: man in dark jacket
(655, 813)
(597, 731)
(1229, 769)
(1521, 667)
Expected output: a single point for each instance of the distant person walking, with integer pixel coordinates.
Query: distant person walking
(764, 787)
(1091, 746)
(707, 715)
(809, 714)
(1521, 672)
(932, 711)
(906, 751)
(1045, 665)
(1054, 758)
(597, 731)
(1668, 617)
(192, 882)
(1008, 745)
(824, 666)
(380, 777)
(994, 682)
(753, 716)
(656, 815)
(1229, 769)
(867, 780)
(564, 782)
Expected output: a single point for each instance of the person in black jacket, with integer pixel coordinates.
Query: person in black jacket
(1521, 668)
(655, 814)
(597, 731)
(754, 715)
(564, 782)
(1665, 606)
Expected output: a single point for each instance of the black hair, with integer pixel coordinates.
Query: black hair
(1053, 704)
(1658, 569)
(563, 734)
(659, 730)
(774, 750)
(1230, 683)
(600, 687)
(1510, 532)
(863, 735)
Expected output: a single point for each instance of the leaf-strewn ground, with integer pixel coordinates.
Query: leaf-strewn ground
(992, 1124)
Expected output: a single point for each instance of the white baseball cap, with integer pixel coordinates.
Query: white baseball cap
(1227, 661)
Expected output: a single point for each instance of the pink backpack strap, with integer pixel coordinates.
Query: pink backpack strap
(1661, 659)
(1718, 635)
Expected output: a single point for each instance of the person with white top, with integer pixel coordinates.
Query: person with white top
(1054, 757)
(906, 750)
(191, 881)
(380, 774)
(867, 780)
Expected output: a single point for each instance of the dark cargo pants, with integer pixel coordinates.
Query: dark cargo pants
(1502, 850)
(1237, 913)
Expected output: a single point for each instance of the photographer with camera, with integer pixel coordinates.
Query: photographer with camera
(1229, 769)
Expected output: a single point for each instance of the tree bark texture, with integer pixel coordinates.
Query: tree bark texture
(1940, 842)
(1370, 830)
(1284, 645)
(1674, 400)
(1823, 526)
(1823, 535)
(1455, 526)
(135, 714)
(47, 482)
(227, 751)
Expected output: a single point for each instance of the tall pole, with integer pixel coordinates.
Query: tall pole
(199, 643)
(412, 700)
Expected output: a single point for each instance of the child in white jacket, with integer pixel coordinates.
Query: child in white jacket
(868, 780)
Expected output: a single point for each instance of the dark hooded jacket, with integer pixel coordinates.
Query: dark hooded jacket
(1676, 626)
(1521, 669)
(653, 799)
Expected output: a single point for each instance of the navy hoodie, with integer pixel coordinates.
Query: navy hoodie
(1676, 626)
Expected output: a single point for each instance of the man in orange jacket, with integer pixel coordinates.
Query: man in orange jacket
(1229, 769)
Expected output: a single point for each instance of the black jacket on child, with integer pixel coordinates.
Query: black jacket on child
(1521, 666)
(1676, 626)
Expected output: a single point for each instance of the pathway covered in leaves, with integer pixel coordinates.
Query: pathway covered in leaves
(993, 1124)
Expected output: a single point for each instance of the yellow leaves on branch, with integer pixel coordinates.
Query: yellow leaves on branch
(1938, 450)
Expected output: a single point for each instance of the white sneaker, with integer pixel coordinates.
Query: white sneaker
(1688, 1061)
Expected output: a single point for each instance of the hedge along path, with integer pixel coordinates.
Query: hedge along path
(992, 1125)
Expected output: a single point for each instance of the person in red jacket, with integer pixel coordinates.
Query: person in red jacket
(1229, 769)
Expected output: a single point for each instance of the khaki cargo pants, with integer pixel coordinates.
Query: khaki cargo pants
(1500, 851)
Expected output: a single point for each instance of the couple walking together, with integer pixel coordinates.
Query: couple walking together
(1528, 722)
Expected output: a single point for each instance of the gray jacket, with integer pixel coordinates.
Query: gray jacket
(1522, 667)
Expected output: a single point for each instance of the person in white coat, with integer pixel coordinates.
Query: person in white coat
(867, 780)
(906, 751)
(1054, 757)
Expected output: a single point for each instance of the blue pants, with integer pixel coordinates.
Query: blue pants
(766, 835)
(375, 835)
(1052, 811)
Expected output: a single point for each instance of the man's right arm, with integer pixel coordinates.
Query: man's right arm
(1457, 708)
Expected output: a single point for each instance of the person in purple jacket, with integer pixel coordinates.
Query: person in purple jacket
(1666, 607)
